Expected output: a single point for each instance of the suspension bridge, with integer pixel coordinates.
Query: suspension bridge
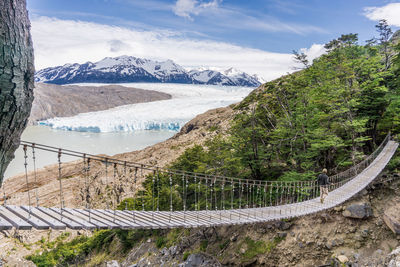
(173, 198)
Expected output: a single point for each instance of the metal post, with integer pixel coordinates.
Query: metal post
(87, 189)
(170, 186)
(34, 172)
(152, 194)
(115, 189)
(26, 178)
(59, 178)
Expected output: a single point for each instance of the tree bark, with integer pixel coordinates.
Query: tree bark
(16, 77)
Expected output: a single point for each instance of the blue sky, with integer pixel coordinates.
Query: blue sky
(224, 32)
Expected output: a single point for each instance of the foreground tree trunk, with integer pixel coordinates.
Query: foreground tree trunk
(16, 77)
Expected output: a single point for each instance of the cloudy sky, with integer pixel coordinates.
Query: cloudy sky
(255, 36)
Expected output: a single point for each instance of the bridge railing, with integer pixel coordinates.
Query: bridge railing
(104, 182)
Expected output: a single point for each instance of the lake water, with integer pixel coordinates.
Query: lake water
(91, 143)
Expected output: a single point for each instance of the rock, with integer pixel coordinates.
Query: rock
(199, 260)
(282, 225)
(338, 208)
(392, 219)
(234, 237)
(339, 241)
(343, 258)
(358, 237)
(328, 246)
(393, 259)
(112, 263)
(358, 211)
(164, 252)
(173, 250)
(364, 233)
(282, 234)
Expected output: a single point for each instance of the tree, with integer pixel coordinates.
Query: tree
(385, 32)
(16, 77)
(345, 40)
(301, 58)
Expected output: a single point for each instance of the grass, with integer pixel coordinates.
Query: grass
(213, 128)
(160, 242)
(255, 248)
(203, 245)
(186, 255)
(224, 244)
(101, 243)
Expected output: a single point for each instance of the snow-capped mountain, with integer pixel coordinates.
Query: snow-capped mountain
(131, 69)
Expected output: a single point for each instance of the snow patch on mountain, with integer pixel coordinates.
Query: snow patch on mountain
(124, 69)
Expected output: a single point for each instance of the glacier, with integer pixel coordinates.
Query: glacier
(187, 101)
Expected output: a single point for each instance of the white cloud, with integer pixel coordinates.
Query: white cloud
(390, 12)
(314, 51)
(236, 18)
(57, 42)
(188, 8)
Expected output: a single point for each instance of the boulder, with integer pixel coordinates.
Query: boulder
(393, 259)
(358, 211)
(199, 259)
(343, 258)
(112, 263)
(282, 225)
(391, 217)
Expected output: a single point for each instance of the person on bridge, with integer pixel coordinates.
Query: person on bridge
(323, 181)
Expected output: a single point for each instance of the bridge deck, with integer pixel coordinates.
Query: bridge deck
(43, 218)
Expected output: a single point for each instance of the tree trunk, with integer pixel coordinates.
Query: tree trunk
(16, 77)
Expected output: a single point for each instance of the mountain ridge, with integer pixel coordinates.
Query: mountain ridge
(132, 69)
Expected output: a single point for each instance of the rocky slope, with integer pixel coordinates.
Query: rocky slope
(63, 101)
(131, 69)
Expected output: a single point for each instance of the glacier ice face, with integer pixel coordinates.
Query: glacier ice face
(187, 102)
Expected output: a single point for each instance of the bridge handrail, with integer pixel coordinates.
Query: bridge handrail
(335, 179)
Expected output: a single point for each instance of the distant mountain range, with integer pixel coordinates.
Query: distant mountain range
(126, 69)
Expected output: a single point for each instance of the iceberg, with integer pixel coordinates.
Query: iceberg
(187, 101)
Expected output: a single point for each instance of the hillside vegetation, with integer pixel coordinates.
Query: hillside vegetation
(331, 114)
